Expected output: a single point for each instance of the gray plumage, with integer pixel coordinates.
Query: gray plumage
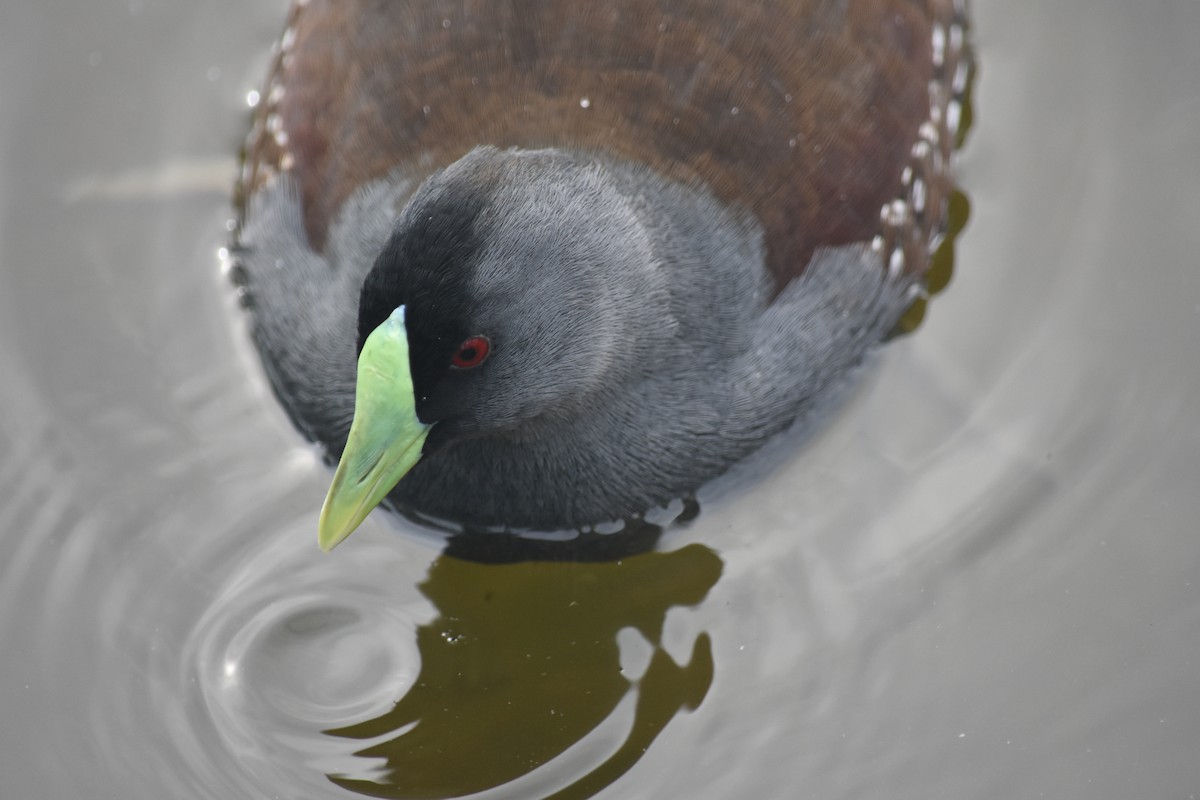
(638, 349)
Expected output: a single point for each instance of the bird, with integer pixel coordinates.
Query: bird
(531, 265)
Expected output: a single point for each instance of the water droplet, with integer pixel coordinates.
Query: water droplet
(252, 98)
(585, 102)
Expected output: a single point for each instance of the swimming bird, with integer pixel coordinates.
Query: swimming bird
(539, 264)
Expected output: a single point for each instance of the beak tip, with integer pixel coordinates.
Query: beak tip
(330, 534)
(327, 543)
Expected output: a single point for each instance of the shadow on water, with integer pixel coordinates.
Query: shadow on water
(526, 659)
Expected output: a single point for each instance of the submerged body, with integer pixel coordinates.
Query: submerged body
(616, 247)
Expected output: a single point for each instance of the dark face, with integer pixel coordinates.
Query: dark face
(427, 266)
(509, 253)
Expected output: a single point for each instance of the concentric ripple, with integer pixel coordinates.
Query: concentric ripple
(294, 645)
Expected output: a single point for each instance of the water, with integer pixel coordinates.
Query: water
(982, 579)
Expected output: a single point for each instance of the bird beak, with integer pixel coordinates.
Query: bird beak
(385, 437)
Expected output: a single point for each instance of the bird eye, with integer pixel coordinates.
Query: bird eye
(471, 353)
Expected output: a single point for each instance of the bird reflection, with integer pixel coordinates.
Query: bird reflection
(523, 661)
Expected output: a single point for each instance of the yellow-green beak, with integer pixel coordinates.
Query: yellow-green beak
(385, 437)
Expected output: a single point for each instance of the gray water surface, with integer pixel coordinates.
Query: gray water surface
(980, 580)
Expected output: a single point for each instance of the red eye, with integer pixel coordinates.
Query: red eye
(471, 353)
